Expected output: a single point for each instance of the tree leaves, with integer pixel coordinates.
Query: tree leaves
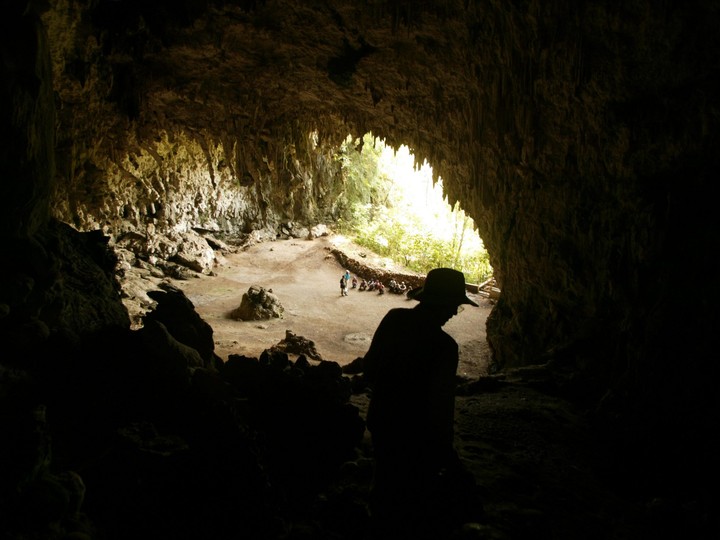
(384, 214)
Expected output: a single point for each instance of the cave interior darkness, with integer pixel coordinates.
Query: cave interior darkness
(581, 137)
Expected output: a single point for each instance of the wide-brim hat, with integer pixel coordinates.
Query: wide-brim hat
(443, 286)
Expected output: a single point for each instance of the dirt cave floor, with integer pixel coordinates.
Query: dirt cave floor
(305, 276)
(542, 474)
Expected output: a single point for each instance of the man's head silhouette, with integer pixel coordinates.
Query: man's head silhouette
(442, 287)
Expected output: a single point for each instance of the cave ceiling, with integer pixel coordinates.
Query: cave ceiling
(433, 75)
(499, 97)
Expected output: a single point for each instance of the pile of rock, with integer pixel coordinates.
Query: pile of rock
(257, 304)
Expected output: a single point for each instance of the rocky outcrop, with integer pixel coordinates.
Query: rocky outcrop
(258, 303)
(297, 345)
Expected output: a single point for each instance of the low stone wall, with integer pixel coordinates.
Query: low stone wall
(363, 270)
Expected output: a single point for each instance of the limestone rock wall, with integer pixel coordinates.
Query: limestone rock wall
(26, 110)
(163, 172)
(175, 183)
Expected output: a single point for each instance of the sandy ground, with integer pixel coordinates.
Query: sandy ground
(305, 275)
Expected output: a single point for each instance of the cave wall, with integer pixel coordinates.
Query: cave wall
(153, 160)
(180, 181)
(580, 136)
(27, 115)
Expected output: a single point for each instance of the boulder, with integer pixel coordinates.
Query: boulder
(258, 303)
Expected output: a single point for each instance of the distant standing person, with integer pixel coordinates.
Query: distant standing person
(347, 276)
(343, 286)
(411, 367)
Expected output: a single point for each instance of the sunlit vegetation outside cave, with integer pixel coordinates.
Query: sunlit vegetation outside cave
(391, 205)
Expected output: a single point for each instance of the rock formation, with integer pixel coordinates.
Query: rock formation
(294, 344)
(257, 304)
(581, 137)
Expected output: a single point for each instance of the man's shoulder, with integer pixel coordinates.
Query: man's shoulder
(400, 316)
(400, 312)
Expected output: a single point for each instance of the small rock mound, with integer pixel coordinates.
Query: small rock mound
(294, 344)
(258, 303)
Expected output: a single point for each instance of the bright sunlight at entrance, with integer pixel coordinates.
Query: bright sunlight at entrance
(391, 206)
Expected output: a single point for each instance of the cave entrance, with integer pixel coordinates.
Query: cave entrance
(394, 206)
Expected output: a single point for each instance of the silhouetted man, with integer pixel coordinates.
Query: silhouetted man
(411, 366)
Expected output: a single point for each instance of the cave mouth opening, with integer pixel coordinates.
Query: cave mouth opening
(397, 207)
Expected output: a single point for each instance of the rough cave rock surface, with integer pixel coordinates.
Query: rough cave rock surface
(258, 303)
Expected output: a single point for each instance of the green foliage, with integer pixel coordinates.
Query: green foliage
(365, 186)
(383, 212)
